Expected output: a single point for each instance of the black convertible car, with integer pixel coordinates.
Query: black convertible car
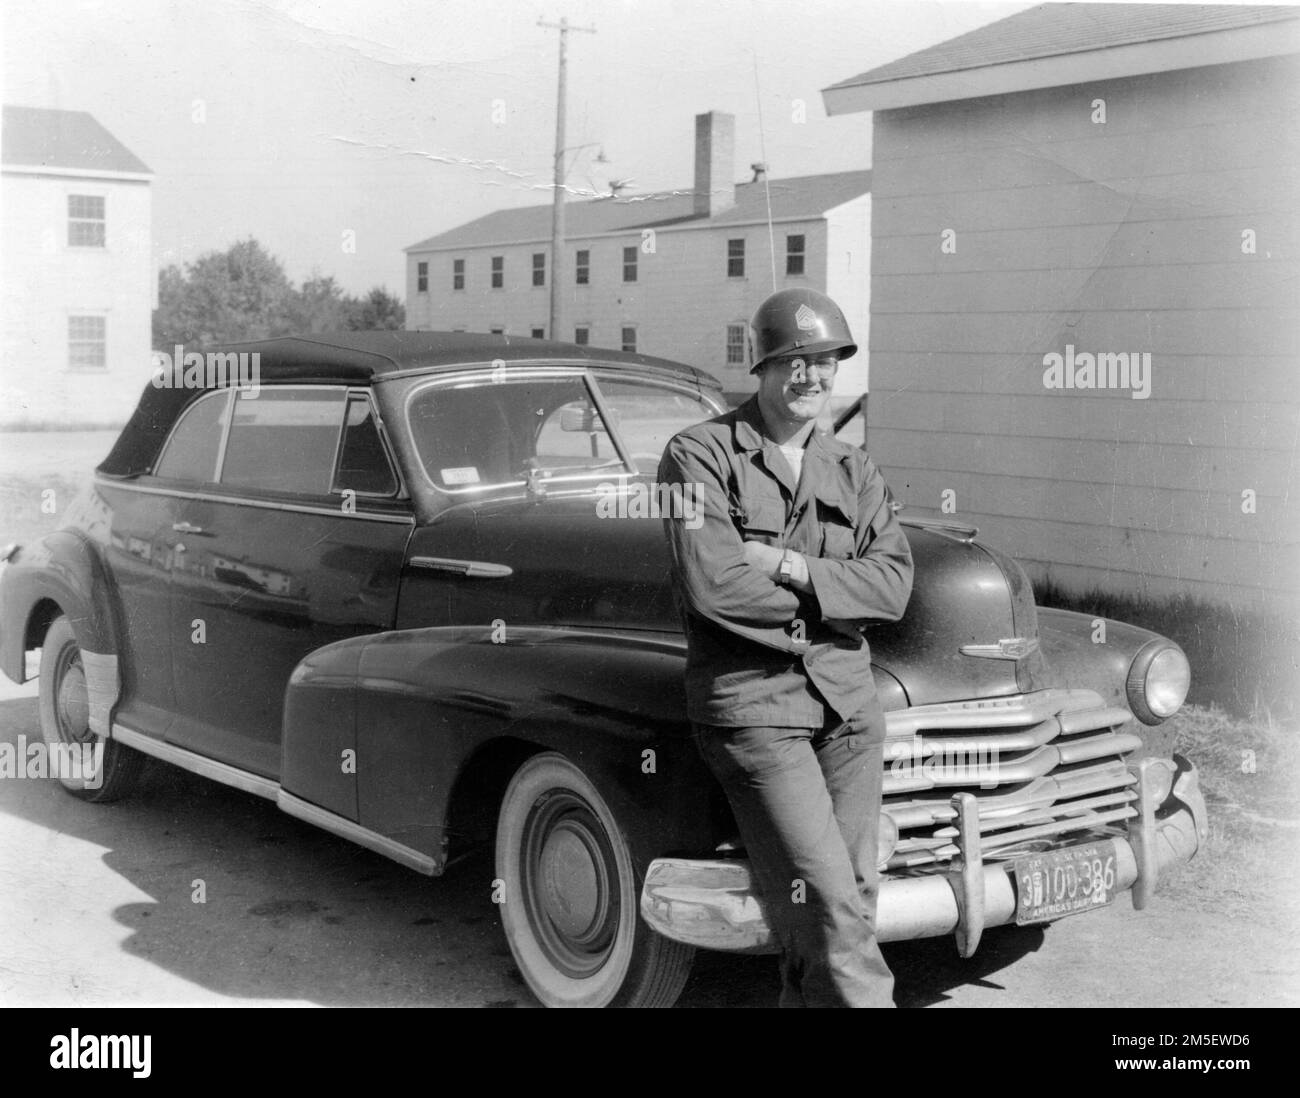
(413, 588)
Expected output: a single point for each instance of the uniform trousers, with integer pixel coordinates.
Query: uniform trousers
(807, 803)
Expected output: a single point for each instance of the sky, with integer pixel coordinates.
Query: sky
(314, 125)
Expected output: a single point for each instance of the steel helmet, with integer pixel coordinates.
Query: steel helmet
(799, 320)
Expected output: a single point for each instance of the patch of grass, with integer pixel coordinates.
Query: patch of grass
(1246, 662)
(22, 516)
(1250, 775)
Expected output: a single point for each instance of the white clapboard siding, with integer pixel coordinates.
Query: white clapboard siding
(1125, 236)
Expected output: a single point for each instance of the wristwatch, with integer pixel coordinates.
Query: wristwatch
(787, 567)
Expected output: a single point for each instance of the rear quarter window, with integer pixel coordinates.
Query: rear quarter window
(192, 450)
(284, 440)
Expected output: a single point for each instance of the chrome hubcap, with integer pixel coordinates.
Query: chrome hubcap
(570, 881)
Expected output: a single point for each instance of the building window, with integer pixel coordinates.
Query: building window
(629, 264)
(497, 331)
(422, 278)
(539, 268)
(87, 342)
(539, 333)
(794, 254)
(457, 274)
(85, 221)
(735, 344)
(736, 258)
(582, 268)
(498, 272)
(629, 339)
(581, 335)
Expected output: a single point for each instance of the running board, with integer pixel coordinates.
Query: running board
(286, 802)
(197, 764)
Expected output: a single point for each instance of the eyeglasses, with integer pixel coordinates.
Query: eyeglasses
(801, 366)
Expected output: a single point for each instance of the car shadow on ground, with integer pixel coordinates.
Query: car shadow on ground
(249, 903)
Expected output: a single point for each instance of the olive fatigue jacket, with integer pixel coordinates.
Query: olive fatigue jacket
(760, 653)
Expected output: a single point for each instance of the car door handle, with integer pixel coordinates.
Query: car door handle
(187, 528)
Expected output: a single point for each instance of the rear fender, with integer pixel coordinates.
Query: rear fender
(65, 569)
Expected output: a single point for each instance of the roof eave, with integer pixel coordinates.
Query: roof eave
(1089, 66)
(695, 225)
(79, 173)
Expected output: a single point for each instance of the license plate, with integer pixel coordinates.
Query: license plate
(1064, 882)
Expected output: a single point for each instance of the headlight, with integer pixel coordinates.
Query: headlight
(1158, 681)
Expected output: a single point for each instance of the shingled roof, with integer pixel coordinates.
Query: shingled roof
(799, 197)
(1055, 44)
(1050, 30)
(38, 137)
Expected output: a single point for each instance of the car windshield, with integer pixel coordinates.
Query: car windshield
(488, 433)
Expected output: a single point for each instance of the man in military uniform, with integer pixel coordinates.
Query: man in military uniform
(797, 551)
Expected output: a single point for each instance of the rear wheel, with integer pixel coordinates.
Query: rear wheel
(65, 725)
(571, 896)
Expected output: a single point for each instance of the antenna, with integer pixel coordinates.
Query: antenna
(767, 190)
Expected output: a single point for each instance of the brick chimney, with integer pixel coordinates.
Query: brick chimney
(715, 163)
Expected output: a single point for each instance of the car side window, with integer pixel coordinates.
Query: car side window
(363, 465)
(284, 440)
(192, 451)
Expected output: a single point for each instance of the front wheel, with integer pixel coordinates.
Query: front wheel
(83, 770)
(571, 896)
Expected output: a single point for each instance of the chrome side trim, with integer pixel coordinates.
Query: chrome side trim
(471, 569)
(991, 712)
(354, 832)
(197, 764)
(1008, 648)
(959, 531)
(269, 505)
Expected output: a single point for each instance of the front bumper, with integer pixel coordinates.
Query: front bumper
(711, 903)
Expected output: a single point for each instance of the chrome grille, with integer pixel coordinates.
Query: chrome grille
(1040, 765)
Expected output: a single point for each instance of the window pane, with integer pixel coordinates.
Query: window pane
(284, 440)
(735, 258)
(794, 251)
(87, 342)
(629, 340)
(85, 221)
(581, 335)
(85, 205)
(191, 452)
(735, 344)
(363, 465)
(484, 435)
(647, 416)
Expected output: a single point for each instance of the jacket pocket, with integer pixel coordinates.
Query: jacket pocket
(761, 521)
(838, 521)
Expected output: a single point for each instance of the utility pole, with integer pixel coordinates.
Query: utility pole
(557, 207)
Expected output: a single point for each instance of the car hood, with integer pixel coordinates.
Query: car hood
(554, 561)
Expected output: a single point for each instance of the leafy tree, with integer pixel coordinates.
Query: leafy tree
(241, 293)
(321, 306)
(244, 293)
(379, 309)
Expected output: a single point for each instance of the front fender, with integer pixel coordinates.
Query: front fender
(418, 706)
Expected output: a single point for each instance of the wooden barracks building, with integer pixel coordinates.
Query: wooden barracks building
(676, 275)
(1085, 292)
